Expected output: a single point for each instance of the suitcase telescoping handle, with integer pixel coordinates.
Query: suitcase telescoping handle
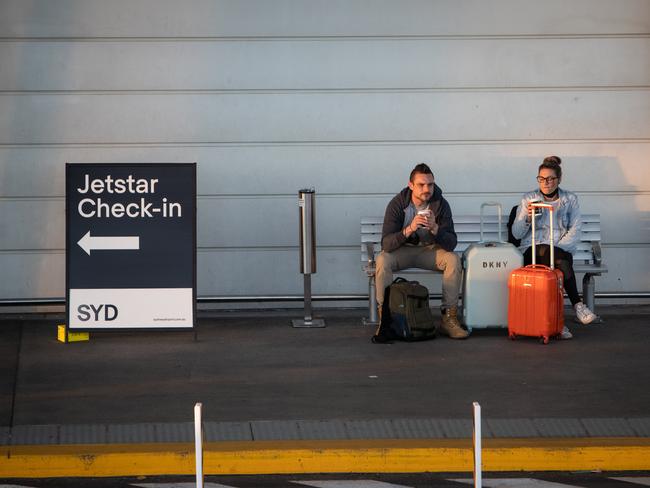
(491, 204)
(550, 209)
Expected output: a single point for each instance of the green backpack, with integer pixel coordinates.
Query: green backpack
(406, 315)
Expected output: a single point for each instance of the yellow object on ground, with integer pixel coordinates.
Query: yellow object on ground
(72, 336)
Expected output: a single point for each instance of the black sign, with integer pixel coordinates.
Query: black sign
(130, 245)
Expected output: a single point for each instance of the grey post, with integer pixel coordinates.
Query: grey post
(306, 204)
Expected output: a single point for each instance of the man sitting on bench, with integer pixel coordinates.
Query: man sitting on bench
(418, 232)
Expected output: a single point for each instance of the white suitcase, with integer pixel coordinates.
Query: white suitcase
(487, 266)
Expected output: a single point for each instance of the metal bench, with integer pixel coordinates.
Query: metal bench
(587, 259)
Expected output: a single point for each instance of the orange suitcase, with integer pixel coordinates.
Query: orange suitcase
(536, 297)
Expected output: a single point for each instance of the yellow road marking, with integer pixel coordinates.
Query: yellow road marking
(354, 456)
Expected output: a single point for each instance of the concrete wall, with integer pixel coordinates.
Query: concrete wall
(345, 96)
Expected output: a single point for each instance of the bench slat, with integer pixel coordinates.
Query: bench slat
(581, 254)
(586, 238)
(468, 232)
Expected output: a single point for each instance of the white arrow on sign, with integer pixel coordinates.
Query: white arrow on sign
(116, 243)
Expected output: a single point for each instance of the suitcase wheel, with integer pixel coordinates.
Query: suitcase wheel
(512, 336)
(544, 339)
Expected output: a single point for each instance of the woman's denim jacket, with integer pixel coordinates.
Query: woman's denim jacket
(566, 222)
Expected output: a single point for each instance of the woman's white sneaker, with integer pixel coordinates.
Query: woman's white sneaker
(584, 315)
(566, 333)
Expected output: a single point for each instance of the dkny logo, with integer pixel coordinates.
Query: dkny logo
(495, 264)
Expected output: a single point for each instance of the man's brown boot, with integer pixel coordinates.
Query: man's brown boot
(451, 326)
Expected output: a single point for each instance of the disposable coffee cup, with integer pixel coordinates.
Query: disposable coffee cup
(425, 213)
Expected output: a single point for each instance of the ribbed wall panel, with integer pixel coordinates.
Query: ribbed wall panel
(324, 117)
(325, 64)
(344, 96)
(290, 18)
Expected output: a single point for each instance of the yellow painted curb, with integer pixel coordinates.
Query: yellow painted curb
(355, 456)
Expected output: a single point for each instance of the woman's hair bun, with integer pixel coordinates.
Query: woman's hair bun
(552, 160)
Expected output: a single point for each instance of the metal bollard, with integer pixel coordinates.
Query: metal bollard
(306, 204)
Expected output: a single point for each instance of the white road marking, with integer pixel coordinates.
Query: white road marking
(513, 483)
(178, 485)
(349, 484)
(639, 480)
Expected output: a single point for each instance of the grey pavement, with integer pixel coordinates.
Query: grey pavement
(260, 379)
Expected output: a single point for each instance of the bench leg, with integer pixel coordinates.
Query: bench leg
(588, 291)
(372, 318)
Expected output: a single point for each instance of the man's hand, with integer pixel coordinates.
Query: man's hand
(427, 221)
(417, 222)
(420, 220)
(433, 226)
(430, 223)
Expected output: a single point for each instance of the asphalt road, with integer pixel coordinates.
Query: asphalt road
(257, 367)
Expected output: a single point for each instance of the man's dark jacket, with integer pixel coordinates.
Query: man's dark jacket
(392, 236)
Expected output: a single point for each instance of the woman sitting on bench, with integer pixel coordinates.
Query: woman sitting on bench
(566, 231)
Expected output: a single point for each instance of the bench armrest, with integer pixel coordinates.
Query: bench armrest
(598, 253)
(370, 249)
(370, 267)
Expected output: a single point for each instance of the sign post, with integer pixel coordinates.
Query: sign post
(130, 246)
